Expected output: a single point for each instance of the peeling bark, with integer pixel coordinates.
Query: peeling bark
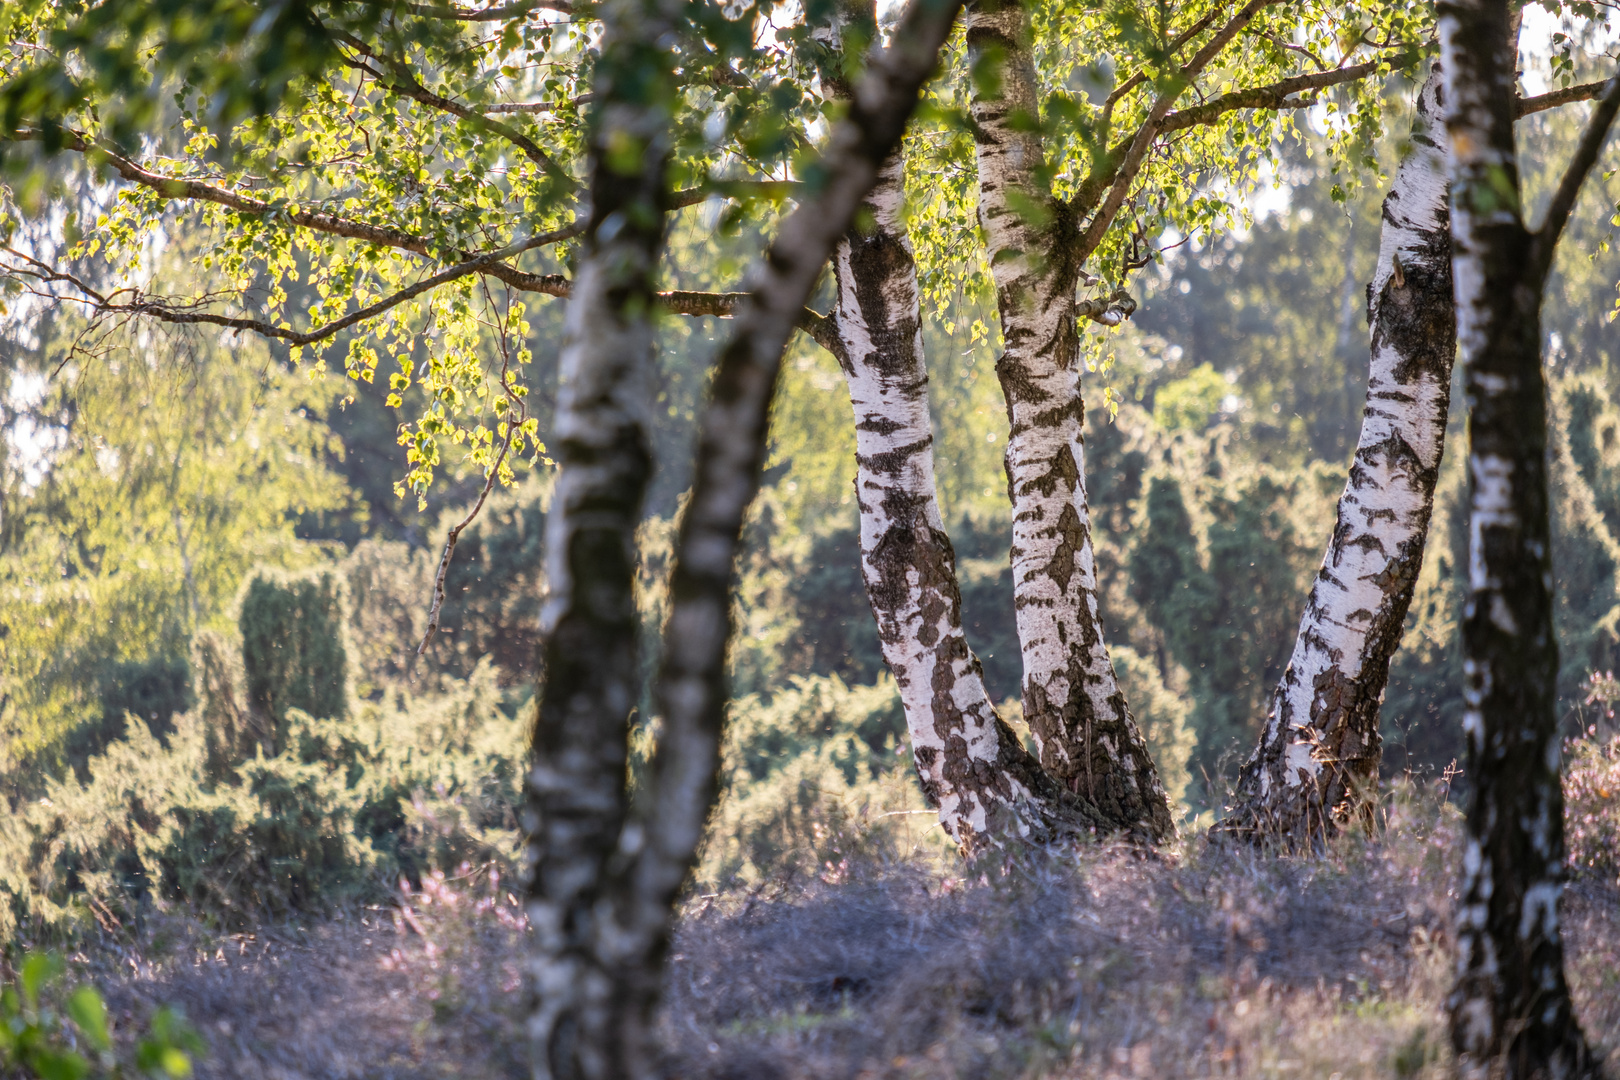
(1510, 1010)
(1319, 753)
(986, 786)
(1076, 711)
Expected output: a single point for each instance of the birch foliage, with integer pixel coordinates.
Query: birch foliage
(1099, 69)
(345, 192)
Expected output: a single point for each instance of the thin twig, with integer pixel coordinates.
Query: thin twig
(512, 430)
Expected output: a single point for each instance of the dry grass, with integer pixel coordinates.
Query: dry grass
(429, 986)
(1208, 963)
(1097, 964)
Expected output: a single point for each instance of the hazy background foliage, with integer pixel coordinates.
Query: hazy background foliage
(152, 557)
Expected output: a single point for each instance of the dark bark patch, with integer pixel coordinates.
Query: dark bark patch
(1063, 474)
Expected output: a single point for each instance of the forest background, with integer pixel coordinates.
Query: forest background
(172, 496)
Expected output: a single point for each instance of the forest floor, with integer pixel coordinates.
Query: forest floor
(1106, 964)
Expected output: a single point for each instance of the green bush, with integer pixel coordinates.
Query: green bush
(294, 649)
(1164, 716)
(819, 773)
(42, 1032)
(399, 787)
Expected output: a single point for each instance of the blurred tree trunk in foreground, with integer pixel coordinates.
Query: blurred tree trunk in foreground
(603, 896)
(577, 798)
(1510, 1011)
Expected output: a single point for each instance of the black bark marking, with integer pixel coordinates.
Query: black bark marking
(1072, 535)
(891, 462)
(1063, 474)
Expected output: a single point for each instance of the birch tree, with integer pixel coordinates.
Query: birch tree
(1510, 1010)
(875, 333)
(971, 766)
(1087, 741)
(1320, 749)
(1040, 232)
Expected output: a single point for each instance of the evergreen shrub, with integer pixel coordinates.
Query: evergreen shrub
(814, 776)
(399, 787)
(294, 652)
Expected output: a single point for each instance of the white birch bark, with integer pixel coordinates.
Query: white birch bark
(972, 767)
(1072, 700)
(1320, 749)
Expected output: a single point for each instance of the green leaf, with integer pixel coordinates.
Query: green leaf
(89, 1013)
(58, 1065)
(37, 970)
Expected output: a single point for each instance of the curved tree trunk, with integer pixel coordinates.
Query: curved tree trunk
(1072, 700)
(1319, 753)
(972, 767)
(657, 850)
(1511, 1014)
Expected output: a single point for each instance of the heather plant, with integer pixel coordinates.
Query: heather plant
(1592, 784)
(1592, 804)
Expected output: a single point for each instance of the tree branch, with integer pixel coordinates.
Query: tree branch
(505, 107)
(1141, 76)
(169, 313)
(492, 14)
(1125, 173)
(1584, 92)
(1545, 239)
(314, 220)
(719, 305)
(405, 83)
(735, 189)
(1278, 95)
(1110, 310)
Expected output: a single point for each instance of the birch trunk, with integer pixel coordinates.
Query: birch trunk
(1510, 1011)
(1077, 713)
(657, 850)
(576, 793)
(972, 767)
(1319, 754)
